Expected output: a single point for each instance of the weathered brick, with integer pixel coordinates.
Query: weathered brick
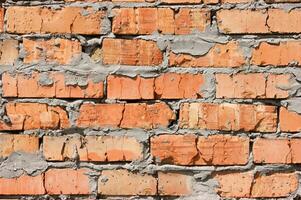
(56, 51)
(228, 117)
(174, 184)
(289, 121)
(1, 20)
(23, 85)
(190, 1)
(248, 185)
(67, 181)
(242, 21)
(277, 151)
(220, 55)
(272, 151)
(193, 150)
(166, 86)
(10, 143)
(24, 20)
(280, 54)
(134, 21)
(281, 21)
(254, 85)
(134, 115)
(92, 148)
(259, 21)
(27, 116)
(123, 182)
(131, 52)
(23, 185)
(9, 50)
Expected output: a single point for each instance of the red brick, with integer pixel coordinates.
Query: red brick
(134, 21)
(255, 85)
(289, 121)
(174, 149)
(247, 185)
(272, 151)
(67, 181)
(220, 55)
(131, 52)
(123, 182)
(134, 115)
(166, 86)
(122, 87)
(25, 20)
(190, 1)
(23, 85)
(242, 21)
(228, 117)
(92, 148)
(9, 50)
(23, 185)
(282, 21)
(280, 54)
(277, 151)
(27, 116)
(1, 19)
(174, 184)
(223, 150)
(10, 143)
(193, 150)
(259, 21)
(55, 51)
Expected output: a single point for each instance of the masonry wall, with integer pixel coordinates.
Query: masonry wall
(145, 99)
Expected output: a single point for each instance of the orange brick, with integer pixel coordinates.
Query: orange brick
(255, 85)
(282, 21)
(174, 149)
(92, 148)
(2, 19)
(67, 181)
(277, 151)
(122, 87)
(272, 151)
(134, 115)
(9, 50)
(174, 184)
(25, 20)
(131, 52)
(220, 55)
(23, 85)
(166, 86)
(10, 143)
(242, 21)
(192, 150)
(189, 1)
(228, 117)
(27, 116)
(223, 150)
(289, 121)
(56, 51)
(134, 21)
(280, 54)
(23, 185)
(123, 182)
(247, 185)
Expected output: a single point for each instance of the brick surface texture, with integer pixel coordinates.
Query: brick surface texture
(150, 99)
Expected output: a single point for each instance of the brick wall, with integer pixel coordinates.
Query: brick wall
(146, 99)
